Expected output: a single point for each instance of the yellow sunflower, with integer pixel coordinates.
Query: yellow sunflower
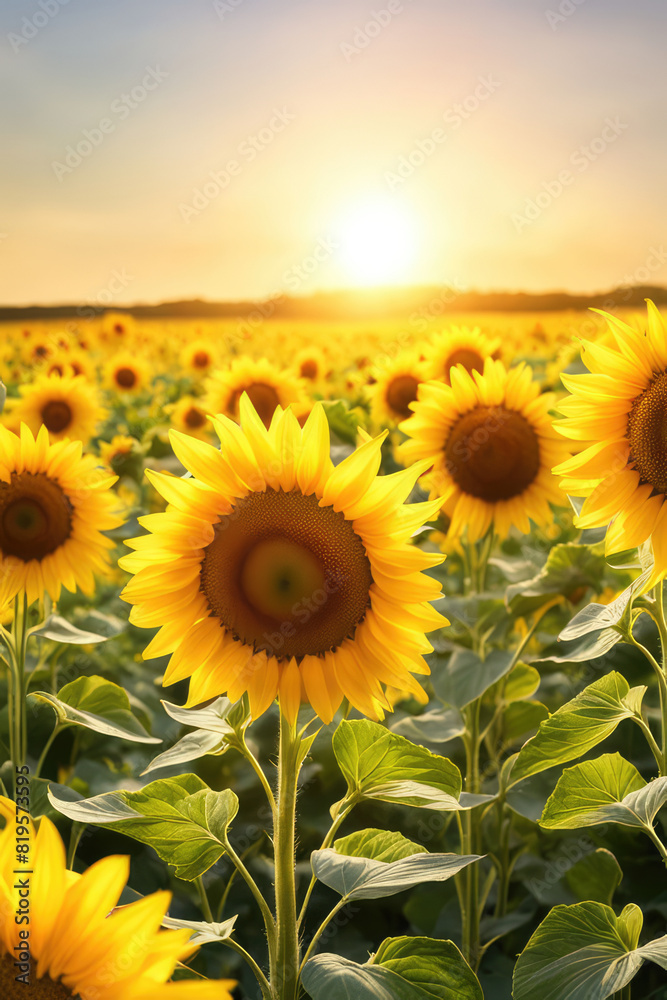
(188, 415)
(266, 385)
(126, 372)
(458, 346)
(198, 357)
(54, 506)
(68, 407)
(491, 444)
(310, 363)
(618, 412)
(395, 388)
(118, 450)
(79, 943)
(275, 573)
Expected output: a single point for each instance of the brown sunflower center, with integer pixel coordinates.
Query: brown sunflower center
(194, 418)
(35, 516)
(126, 378)
(286, 575)
(492, 453)
(262, 396)
(402, 391)
(56, 416)
(471, 361)
(647, 431)
(308, 369)
(201, 359)
(40, 989)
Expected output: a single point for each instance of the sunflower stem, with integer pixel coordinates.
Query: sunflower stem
(203, 898)
(47, 746)
(285, 973)
(662, 628)
(345, 808)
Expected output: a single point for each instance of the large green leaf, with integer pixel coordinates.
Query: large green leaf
(181, 818)
(211, 736)
(365, 878)
(379, 764)
(466, 677)
(380, 845)
(606, 790)
(202, 932)
(437, 726)
(568, 568)
(596, 876)
(579, 725)
(596, 617)
(584, 952)
(60, 630)
(97, 704)
(588, 647)
(405, 968)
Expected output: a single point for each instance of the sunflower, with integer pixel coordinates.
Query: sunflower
(67, 406)
(618, 412)
(116, 452)
(80, 942)
(459, 346)
(198, 357)
(126, 372)
(117, 326)
(395, 388)
(310, 364)
(275, 573)
(54, 506)
(188, 415)
(266, 386)
(491, 444)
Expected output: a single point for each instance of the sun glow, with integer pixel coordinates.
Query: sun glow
(378, 241)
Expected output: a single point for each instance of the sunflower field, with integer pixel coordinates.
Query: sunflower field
(334, 658)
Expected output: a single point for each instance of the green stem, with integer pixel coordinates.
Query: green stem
(320, 930)
(662, 850)
(269, 923)
(47, 746)
(625, 993)
(74, 838)
(345, 809)
(662, 688)
(257, 768)
(285, 972)
(470, 914)
(205, 905)
(264, 984)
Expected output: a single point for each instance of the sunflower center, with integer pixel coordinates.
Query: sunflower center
(286, 575)
(35, 516)
(402, 391)
(40, 989)
(56, 416)
(471, 361)
(647, 431)
(492, 453)
(262, 396)
(194, 418)
(308, 369)
(126, 378)
(200, 359)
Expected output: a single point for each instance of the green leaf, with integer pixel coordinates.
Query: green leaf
(343, 421)
(60, 630)
(192, 746)
(97, 704)
(212, 718)
(379, 764)
(202, 932)
(606, 790)
(180, 818)
(596, 876)
(584, 952)
(379, 845)
(603, 616)
(522, 682)
(365, 878)
(466, 677)
(568, 568)
(522, 718)
(588, 648)
(405, 968)
(579, 725)
(214, 735)
(437, 726)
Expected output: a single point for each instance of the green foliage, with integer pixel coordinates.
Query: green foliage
(97, 704)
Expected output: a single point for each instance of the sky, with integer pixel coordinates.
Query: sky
(230, 149)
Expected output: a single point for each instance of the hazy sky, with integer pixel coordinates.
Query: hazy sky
(494, 143)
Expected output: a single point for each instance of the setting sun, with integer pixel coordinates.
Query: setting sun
(378, 242)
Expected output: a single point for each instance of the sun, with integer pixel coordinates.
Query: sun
(378, 242)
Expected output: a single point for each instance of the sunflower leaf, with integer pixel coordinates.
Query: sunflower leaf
(568, 568)
(465, 677)
(192, 746)
(404, 968)
(378, 764)
(181, 818)
(379, 845)
(584, 952)
(367, 878)
(60, 630)
(437, 726)
(202, 932)
(98, 704)
(579, 725)
(606, 790)
(596, 876)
